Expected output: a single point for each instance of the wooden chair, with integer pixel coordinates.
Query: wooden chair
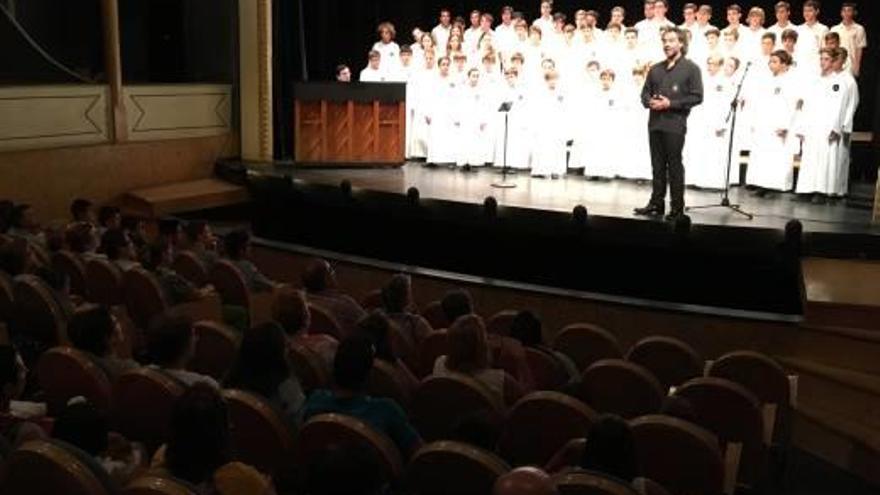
(372, 300)
(143, 400)
(233, 289)
(39, 314)
(335, 430)
(499, 323)
(157, 485)
(309, 367)
(260, 436)
(765, 378)
(446, 467)
(144, 300)
(216, 349)
(323, 322)
(73, 266)
(7, 297)
(682, 457)
(64, 373)
(49, 467)
(620, 387)
(436, 344)
(104, 283)
(547, 372)
(733, 414)
(540, 424)
(440, 401)
(433, 312)
(384, 382)
(672, 361)
(190, 267)
(585, 344)
(583, 482)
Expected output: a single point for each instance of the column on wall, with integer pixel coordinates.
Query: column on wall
(113, 66)
(255, 44)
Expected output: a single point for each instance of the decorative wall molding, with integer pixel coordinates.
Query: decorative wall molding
(157, 112)
(34, 117)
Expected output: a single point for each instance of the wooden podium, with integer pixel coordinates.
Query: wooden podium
(350, 125)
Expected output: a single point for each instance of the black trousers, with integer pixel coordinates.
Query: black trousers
(667, 167)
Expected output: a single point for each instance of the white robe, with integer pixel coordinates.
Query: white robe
(373, 75)
(548, 128)
(602, 132)
(518, 131)
(770, 165)
(635, 150)
(418, 98)
(851, 103)
(390, 53)
(442, 132)
(472, 115)
(705, 152)
(824, 112)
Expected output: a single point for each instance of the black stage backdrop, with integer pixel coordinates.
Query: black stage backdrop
(342, 32)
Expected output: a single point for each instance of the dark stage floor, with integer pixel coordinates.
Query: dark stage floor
(613, 198)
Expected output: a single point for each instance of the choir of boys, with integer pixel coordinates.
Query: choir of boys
(574, 89)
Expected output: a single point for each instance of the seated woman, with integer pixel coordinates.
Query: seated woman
(238, 249)
(292, 312)
(378, 328)
(469, 355)
(526, 329)
(398, 304)
(262, 367)
(119, 249)
(94, 329)
(199, 451)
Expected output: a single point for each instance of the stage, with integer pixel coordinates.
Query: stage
(615, 198)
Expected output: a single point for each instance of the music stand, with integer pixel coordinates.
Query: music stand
(505, 109)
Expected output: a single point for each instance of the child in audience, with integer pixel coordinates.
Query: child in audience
(238, 249)
(93, 329)
(171, 345)
(203, 243)
(117, 246)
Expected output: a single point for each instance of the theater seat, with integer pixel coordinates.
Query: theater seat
(49, 467)
(620, 387)
(440, 401)
(40, 317)
(499, 323)
(336, 430)
(384, 382)
(446, 467)
(682, 457)
(143, 400)
(64, 373)
(190, 267)
(672, 361)
(216, 349)
(432, 347)
(104, 281)
(373, 300)
(585, 344)
(7, 299)
(308, 366)
(583, 482)
(433, 312)
(540, 424)
(323, 322)
(158, 485)
(260, 436)
(233, 289)
(144, 300)
(73, 266)
(547, 372)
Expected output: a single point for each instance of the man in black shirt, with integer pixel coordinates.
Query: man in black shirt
(672, 88)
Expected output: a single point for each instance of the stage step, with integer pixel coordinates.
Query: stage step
(181, 197)
(842, 442)
(842, 293)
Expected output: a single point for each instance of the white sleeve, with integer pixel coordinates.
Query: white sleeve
(860, 40)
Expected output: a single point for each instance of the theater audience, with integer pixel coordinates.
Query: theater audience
(319, 281)
(59, 285)
(351, 368)
(238, 249)
(171, 345)
(15, 258)
(177, 289)
(469, 355)
(82, 425)
(526, 328)
(23, 225)
(378, 328)
(136, 230)
(109, 217)
(456, 303)
(291, 311)
(262, 367)
(20, 420)
(202, 242)
(398, 303)
(117, 246)
(82, 210)
(82, 239)
(199, 449)
(611, 449)
(93, 329)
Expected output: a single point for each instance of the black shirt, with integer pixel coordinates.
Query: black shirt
(682, 84)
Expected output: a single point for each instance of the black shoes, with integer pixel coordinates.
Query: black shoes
(674, 215)
(651, 210)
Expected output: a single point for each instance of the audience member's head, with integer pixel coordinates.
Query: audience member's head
(157, 255)
(353, 362)
(262, 364)
(198, 442)
(343, 470)
(13, 376)
(611, 448)
(116, 245)
(170, 341)
(526, 328)
(397, 294)
(291, 311)
(93, 329)
(198, 233)
(238, 244)
(377, 327)
(136, 229)
(524, 481)
(23, 218)
(81, 237)
(468, 349)
(170, 231)
(110, 217)
(457, 303)
(15, 258)
(679, 407)
(480, 429)
(318, 276)
(82, 210)
(82, 425)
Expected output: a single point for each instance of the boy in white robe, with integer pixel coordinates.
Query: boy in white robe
(418, 106)
(473, 33)
(441, 118)
(545, 21)
(472, 122)
(750, 36)
(441, 31)
(606, 131)
(373, 71)
(774, 144)
(851, 103)
(782, 11)
(387, 48)
(518, 135)
(635, 153)
(822, 134)
(852, 36)
(548, 129)
(705, 156)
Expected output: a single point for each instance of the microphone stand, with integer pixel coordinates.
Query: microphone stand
(505, 109)
(731, 117)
